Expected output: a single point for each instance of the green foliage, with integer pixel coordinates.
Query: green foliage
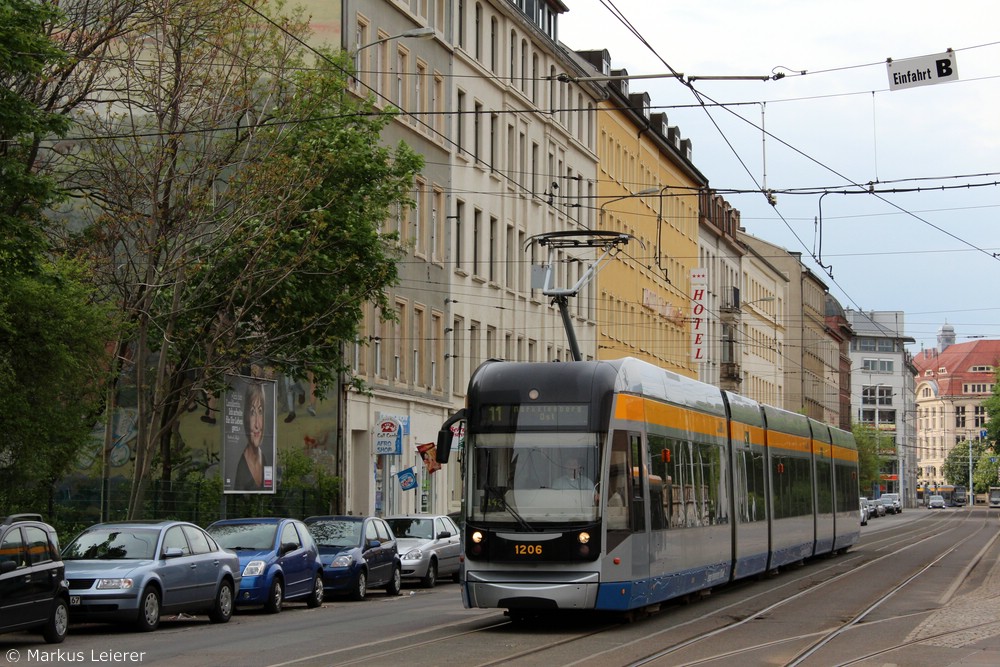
(956, 466)
(52, 359)
(25, 51)
(867, 440)
(310, 273)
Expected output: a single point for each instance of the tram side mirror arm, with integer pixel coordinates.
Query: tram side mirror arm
(445, 436)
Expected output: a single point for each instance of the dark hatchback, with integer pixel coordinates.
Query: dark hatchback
(34, 594)
(278, 558)
(358, 553)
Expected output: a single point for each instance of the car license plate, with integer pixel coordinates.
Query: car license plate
(74, 600)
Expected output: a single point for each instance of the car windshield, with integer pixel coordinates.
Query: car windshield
(113, 544)
(417, 528)
(336, 533)
(937, 498)
(245, 536)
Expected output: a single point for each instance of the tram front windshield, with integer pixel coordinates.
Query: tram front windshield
(528, 477)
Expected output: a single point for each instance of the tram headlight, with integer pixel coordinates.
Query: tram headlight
(584, 537)
(477, 537)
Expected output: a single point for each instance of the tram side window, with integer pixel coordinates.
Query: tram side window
(847, 487)
(686, 484)
(750, 489)
(792, 486)
(824, 487)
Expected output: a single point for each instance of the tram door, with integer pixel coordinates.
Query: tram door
(625, 502)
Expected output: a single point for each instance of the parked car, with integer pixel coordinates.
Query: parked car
(892, 503)
(429, 546)
(878, 507)
(136, 571)
(936, 503)
(279, 561)
(864, 510)
(33, 590)
(358, 553)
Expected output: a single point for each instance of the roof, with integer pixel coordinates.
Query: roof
(953, 367)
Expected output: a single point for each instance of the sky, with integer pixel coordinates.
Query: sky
(838, 126)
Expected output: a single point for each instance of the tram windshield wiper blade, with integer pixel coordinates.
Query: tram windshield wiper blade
(498, 494)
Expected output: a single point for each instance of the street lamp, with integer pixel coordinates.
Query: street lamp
(640, 193)
(414, 33)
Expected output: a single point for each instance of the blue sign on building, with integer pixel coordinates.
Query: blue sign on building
(407, 480)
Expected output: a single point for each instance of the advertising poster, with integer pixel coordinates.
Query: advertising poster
(249, 453)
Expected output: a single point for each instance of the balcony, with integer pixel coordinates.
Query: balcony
(730, 370)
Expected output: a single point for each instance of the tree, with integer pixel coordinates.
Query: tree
(25, 53)
(956, 465)
(985, 473)
(866, 439)
(230, 195)
(52, 333)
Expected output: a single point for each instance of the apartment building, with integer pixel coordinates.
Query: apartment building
(649, 190)
(882, 395)
(485, 94)
(952, 382)
(811, 352)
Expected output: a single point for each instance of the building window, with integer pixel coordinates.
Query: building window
(477, 224)
(477, 137)
(959, 416)
(460, 124)
(877, 365)
(479, 32)
(459, 218)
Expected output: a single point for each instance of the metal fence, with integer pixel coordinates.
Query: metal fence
(76, 503)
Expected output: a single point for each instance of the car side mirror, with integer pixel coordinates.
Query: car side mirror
(443, 535)
(288, 547)
(8, 566)
(374, 544)
(173, 552)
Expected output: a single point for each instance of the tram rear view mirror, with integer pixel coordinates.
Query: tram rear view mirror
(446, 435)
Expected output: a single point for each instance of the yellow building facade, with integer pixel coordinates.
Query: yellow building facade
(647, 188)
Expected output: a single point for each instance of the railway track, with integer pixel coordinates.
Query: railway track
(755, 622)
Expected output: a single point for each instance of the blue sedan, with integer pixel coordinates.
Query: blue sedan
(358, 553)
(137, 571)
(278, 558)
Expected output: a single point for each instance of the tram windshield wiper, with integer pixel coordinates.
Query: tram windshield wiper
(498, 494)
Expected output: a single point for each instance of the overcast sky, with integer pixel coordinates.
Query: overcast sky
(929, 253)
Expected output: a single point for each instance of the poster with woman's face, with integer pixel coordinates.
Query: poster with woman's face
(249, 452)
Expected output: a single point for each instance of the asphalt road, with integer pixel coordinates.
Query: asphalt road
(919, 589)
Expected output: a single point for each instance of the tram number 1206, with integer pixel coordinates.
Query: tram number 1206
(527, 549)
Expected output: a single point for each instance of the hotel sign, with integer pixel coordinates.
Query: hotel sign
(699, 324)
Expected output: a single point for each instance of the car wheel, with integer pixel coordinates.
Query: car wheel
(395, 583)
(223, 609)
(55, 630)
(360, 586)
(430, 579)
(149, 610)
(316, 599)
(274, 597)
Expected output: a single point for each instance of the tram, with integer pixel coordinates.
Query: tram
(954, 496)
(617, 485)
